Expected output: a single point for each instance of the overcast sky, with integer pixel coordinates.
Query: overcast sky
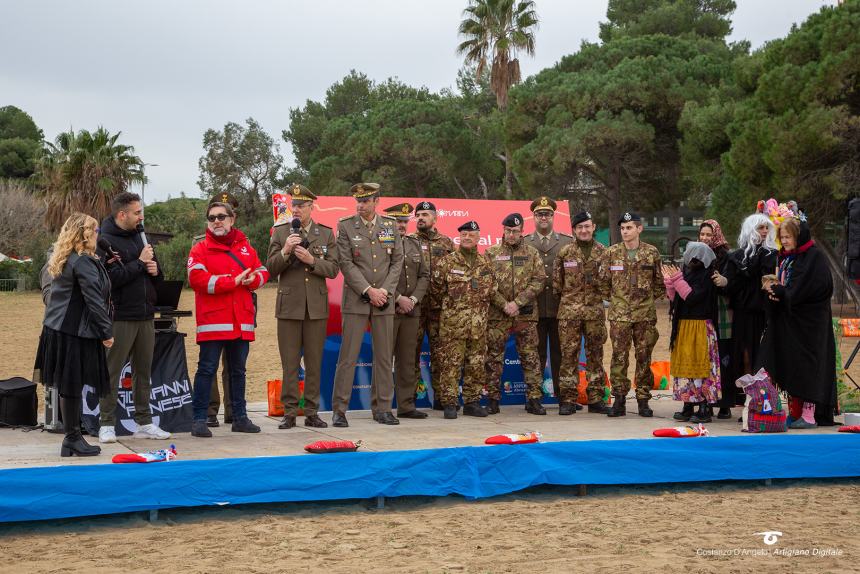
(164, 71)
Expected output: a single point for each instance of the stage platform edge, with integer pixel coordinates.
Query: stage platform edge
(54, 492)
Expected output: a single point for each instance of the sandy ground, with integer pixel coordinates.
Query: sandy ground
(635, 529)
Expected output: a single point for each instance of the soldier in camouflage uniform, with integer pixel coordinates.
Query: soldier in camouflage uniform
(576, 277)
(519, 277)
(632, 280)
(462, 285)
(434, 246)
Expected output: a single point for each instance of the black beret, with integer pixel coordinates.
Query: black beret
(580, 217)
(425, 206)
(629, 216)
(513, 220)
(469, 226)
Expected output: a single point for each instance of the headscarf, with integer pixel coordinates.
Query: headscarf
(717, 240)
(786, 258)
(700, 251)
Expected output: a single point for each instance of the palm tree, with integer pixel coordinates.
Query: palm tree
(494, 32)
(84, 171)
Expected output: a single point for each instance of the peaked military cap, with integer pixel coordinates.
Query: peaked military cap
(227, 198)
(364, 190)
(543, 203)
(400, 211)
(298, 192)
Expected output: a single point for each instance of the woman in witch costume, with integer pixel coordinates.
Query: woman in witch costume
(755, 257)
(798, 349)
(695, 355)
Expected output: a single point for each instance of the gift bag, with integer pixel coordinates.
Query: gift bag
(763, 411)
(582, 390)
(273, 392)
(660, 370)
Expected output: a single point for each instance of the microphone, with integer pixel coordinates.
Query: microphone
(105, 246)
(139, 229)
(296, 225)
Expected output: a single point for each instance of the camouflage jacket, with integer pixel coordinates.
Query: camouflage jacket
(519, 276)
(434, 246)
(577, 279)
(463, 291)
(632, 285)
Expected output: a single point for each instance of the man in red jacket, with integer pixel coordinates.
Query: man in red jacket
(223, 270)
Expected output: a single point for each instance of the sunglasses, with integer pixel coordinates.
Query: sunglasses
(219, 217)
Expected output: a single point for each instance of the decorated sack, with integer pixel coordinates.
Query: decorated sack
(162, 455)
(327, 446)
(682, 432)
(523, 438)
(763, 411)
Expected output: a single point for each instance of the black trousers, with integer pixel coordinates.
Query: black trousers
(547, 329)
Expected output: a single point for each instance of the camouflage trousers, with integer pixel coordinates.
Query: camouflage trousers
(526, 339)
(461, 355)
(431, 327)
(570, 333)
(643, 336)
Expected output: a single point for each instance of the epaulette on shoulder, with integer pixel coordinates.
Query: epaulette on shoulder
(388, 217)
(565, 235)
(281, 223)
(323, 225)
(345, 217)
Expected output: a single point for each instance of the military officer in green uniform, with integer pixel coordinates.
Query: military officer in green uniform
(408, 299)
(215, 396)
(302, 255)
(434, 246)
(462, 286)
(548, 243)
(632, 280)
(576, 278)
(370, 254)
(519, 277)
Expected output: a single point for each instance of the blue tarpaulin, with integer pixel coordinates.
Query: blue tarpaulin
(474, 472)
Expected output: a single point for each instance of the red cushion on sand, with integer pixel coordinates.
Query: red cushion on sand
(850, 428)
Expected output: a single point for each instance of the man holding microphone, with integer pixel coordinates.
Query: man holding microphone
(133, 283)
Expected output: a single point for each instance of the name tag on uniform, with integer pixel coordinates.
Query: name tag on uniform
(616, 268)
(458, 272)
(569, 264)
(503, 257)
(423, 248)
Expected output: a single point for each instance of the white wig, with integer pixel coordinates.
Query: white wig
(749, 240)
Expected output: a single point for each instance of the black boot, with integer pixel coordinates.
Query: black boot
(566, 409)
(437, 404)
(450, 412)
(493, 406)
(618, 409)
(644, 409)
(534, 407)
(703, 414)
(474, 409)
(725, 413)
(599, 408)
(74, 443)
(685, 413)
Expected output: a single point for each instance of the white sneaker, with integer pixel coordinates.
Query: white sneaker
(107, 435)
(151, 431)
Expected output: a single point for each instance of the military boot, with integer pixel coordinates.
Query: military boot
(703, 414)
(618, 409)
(644, 409)
(566, 409)
(534, 407)
(493, 406)
(599, 408)
(474, 409)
